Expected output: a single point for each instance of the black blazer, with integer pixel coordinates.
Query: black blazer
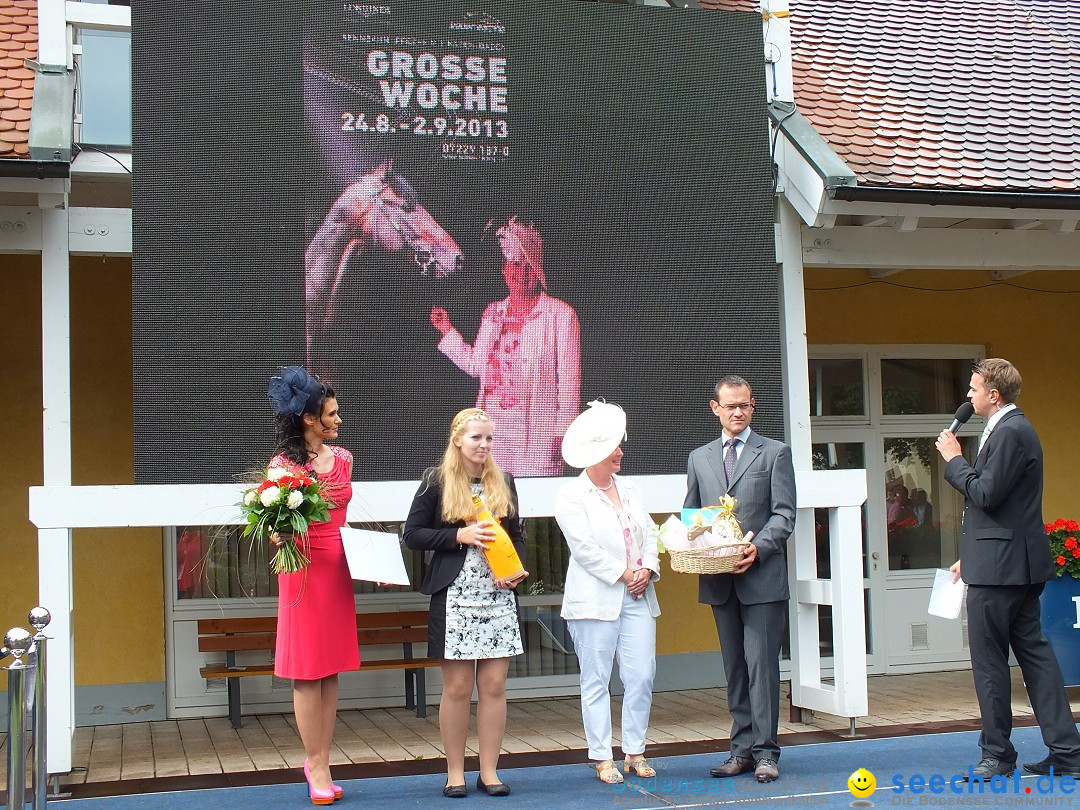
(1004, 540)
(425, 530)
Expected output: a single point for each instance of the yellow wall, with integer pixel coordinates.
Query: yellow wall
(1036, 331)
(684, 624)
(118, 572)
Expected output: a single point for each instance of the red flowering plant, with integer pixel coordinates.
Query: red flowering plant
(286, 501)
(1064, 536)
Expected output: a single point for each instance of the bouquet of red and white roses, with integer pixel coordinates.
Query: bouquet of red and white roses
(286, 501)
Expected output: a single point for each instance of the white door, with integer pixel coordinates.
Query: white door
(881, 408)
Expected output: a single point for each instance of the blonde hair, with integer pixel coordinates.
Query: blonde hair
(999, 374)
(456, 493)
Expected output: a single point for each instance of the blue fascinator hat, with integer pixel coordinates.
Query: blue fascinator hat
(292, 388)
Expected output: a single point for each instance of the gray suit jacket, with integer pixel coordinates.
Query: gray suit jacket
(764, 487)
(1004, 540)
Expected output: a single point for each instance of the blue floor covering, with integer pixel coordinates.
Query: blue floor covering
(812, 776)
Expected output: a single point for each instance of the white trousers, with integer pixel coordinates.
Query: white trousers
(633, 637)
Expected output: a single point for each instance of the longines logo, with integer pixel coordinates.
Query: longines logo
(479, 21)
(366, 10)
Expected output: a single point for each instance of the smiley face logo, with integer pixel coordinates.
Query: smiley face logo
(862, 784)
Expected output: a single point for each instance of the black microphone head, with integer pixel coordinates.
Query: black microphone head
(963, 413)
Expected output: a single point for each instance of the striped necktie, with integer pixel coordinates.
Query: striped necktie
(731, 458)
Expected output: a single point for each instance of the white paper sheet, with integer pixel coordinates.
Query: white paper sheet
(374, 556)
(947, 597)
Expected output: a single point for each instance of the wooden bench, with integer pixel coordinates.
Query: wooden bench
(231, 636)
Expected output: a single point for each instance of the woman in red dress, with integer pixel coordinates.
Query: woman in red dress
(316, 635)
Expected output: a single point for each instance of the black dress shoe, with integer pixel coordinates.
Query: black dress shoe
(766, 771)
(733, 767)
(989, 767)
(498, 789)
(1050, 765)
(455, 791)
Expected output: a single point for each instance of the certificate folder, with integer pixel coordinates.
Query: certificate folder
(374, 556)
(947, 597)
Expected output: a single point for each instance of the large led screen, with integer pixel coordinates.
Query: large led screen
(519, 205)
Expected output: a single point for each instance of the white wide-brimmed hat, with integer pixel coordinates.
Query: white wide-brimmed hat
(594, 434)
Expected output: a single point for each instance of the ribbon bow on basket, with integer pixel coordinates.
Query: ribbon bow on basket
(716, 540)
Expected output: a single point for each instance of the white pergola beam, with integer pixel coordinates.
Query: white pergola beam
(91, 231)
(883, 209)
(91, 163)
(155, 505)
(100, 231)
(33, 185)
(1062, 225)
(20, 229)
(98, 17)
(905, 224)
(881, 249)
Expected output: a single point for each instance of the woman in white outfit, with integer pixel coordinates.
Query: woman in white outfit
(609, 600)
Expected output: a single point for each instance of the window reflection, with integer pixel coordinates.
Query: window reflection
(923, 513)
(836, 387)
(912, 386)
(105, 88)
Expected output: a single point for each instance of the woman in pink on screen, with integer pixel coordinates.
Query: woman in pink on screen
(316, 632)
(527, 357)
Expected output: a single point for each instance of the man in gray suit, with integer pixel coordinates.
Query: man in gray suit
(750, 604)
(1006, 562)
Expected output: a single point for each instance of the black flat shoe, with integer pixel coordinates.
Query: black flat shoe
(455, 791)
(498, 789)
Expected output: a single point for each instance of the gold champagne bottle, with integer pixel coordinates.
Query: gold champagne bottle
(501, 554)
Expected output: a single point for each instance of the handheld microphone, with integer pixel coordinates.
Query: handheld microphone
(963, 413)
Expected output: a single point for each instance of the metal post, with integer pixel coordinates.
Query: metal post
(39, 619)
(17, 641)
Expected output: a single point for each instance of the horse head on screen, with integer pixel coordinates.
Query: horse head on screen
(380, 210)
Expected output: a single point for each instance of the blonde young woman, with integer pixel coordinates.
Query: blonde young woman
(609, 600)
(473, 624)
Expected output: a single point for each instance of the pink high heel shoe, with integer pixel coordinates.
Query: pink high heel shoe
(317, 795)
(339, 791)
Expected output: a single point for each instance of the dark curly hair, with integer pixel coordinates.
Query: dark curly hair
(290, 428)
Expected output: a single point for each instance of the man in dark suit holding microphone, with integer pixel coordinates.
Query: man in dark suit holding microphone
(750, 604)
(1005, 559)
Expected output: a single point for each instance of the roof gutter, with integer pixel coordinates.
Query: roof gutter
(38, 169)
(934, 196)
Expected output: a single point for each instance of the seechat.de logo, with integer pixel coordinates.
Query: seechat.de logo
(862, 785)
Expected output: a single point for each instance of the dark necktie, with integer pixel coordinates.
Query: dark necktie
(731, 458)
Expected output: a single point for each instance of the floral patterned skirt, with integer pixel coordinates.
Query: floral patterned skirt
(472, 619)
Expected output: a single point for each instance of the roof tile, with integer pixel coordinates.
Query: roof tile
(978, 95)
(18, 42)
